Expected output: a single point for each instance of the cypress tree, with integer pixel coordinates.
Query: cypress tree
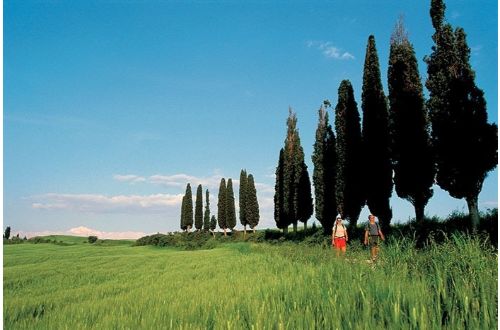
(198, 212)
(221, 206)
(279, 211)
(213, 225)
(376, 140)
(324, 160)
(183, 213)
(349, 184)
(7, 233)
(465, 143)
(305, 206)
(206, 218)
(188, 213)
(252, 205)
(411, 151)
(243, 199)
(230, 207)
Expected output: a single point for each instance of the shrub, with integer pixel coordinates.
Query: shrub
(92, 239)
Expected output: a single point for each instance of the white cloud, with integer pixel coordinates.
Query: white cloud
(106, 204)
(329, 50)
(181, 180)
(129, 178)
(84, 231)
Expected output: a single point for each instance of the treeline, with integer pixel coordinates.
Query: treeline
(226, 210)
(404, 141)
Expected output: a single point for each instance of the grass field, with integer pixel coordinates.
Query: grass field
(249, 286)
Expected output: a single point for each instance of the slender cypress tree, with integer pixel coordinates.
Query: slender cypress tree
(198, 211)
(188, 213)
(206, 218)
(230, 207)
(305, 206)
(465, 143)
(213, 225)
(411, 150)
(221, 206)
(324, 160)
(279, 212)
(251, 204)
(183, 213)
(349, 184)
(7, 233)
(243, 199)
(376, 139)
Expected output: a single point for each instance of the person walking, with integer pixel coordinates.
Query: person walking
(373, 235)
(339, 236)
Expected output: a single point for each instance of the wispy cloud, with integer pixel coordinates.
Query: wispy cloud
(93, 203)
(329, 50)
(129, 178)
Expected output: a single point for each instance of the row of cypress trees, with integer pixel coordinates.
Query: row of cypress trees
(226, 211)
(446, 140)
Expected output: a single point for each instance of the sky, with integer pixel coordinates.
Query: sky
(112, 107)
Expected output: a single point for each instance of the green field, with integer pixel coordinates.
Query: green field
(249, 286)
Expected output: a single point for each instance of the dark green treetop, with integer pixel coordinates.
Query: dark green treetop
(198, 212)
(230, 206)
(221, 205)
(206, 217)
(252, 204)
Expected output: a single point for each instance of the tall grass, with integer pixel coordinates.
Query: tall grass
(251, 286)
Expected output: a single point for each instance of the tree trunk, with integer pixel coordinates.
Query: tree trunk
(285, 230)
(245, 231)
(225, 234)
(253, 228)
(295, 227)
(305, 225)
(419, 211)
(473, 212)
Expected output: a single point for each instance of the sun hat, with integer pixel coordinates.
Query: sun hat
(338, 217)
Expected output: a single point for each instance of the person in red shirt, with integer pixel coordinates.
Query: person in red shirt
(339, 236)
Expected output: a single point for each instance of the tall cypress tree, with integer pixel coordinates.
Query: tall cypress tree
(230, 207)
(243, 199)
(188, 213)
(252, 205)
(349, 183)
(376, 139)
(221, 206)
(279, 211)
(411, 150)
(206, 218)
(465, 143)
(213, 224)
(183, 213)
(198, 211)
(305, 206)
(324, 160)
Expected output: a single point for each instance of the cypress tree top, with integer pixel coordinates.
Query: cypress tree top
(230, 207)
(221, 205)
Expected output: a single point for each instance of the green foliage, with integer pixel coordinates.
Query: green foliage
(243, 198)
(349, 183)
(411, 150)
(221, 205)
(188, 212)
(206, 217)
(324, 159)
(183, 213)
(213, 223)
(251, 203)
(198, 212)
(377, 172)
(6, 234)
(465, 143)
(92, 239)
(279, 203)
(230, 206)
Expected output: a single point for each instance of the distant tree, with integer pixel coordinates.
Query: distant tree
(376, 139)
(230, 206)
(465, 144)
(279, 213)
(198, 212)
(324, 159)
(349, 183)
(411, 150)
(7, 233)
(221, 206)
(243, 199)
(92, 239)
(183, 213)
(188, 212)
(206, 219)
(213, 224)
(252, 204)
(295, 199)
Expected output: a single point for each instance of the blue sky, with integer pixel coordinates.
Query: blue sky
(111, 107)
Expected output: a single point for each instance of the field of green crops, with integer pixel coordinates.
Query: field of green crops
(249, 286)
